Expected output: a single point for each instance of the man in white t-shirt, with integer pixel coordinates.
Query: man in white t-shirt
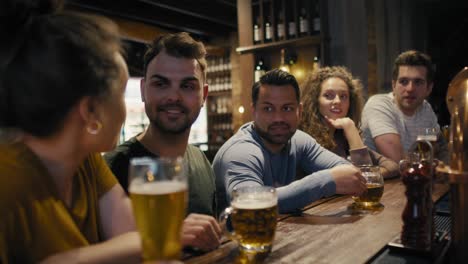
(390, 121)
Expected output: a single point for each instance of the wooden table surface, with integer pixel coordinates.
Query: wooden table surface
(330, 231)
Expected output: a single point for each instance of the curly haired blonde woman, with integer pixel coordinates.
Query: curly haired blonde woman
(332, 102)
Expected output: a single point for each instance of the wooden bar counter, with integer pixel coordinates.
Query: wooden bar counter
(330, 231)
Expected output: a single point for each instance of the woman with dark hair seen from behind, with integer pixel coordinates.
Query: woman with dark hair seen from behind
(62, 82)
(332, 101)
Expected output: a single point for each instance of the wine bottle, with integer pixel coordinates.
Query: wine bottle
(316, 19)
(316, 63)
(283, 66)
(259, 70)
(303, 23)
(257, 37)
(292, 28)
(280, 29)
(268, 30)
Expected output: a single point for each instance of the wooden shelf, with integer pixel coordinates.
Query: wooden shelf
(220, 114)
(219, 93)
(297, 42)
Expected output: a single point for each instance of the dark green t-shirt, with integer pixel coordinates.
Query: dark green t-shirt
(201, 181)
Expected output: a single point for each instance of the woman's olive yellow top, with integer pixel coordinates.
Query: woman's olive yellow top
(34, 221)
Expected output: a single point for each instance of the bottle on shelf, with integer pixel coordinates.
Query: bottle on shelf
(303, 23)
(316, 63)
(268, 30)
(292, 29)
(259, 70)
(280, 28)
(291, 18)
(283, 66)
(257, 37)
(316, 18)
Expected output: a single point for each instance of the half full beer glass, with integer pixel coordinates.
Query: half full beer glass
(375, 187)
(253, 216)
(158, 190)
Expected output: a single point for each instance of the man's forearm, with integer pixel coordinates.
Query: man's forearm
(390, 146)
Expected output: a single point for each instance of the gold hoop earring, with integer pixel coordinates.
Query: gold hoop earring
(95, 130)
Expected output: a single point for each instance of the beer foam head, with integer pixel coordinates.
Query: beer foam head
(253, 203)
(159, 187)
(427, 137)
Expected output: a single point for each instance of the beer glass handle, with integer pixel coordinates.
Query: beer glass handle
(225, 223)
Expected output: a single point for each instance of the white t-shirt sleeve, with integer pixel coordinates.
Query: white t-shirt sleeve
(381, 116)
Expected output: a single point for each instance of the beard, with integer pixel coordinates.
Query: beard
(275, 138)
(179, 125)
(409, 106)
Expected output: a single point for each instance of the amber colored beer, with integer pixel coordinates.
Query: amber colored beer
(254, 223)
(371, 197)
(159, 209)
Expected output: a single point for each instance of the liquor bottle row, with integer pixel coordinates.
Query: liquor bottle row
(217, 64)
(219, 73)
(278, 20)
(220, 104)
(222, 126)
(220, 82)
(220, 129)
(287, 60)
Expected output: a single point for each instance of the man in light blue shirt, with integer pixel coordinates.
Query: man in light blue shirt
(270, 150)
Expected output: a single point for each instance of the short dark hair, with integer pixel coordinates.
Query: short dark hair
(179, 45)
(276, 77)
(413, 58)
(55, 58)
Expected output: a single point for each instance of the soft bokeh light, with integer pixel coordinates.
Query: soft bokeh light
(298, 73)
(284, 68)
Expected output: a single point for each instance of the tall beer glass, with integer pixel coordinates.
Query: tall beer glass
(253, 215)
(158, 190)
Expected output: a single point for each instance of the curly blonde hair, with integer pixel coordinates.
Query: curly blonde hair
(312, 121)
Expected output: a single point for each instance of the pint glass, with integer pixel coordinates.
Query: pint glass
(430, 134)
(158, 190)
(375, 188)
(253, 216)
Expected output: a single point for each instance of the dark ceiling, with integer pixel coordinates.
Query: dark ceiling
(205, 18)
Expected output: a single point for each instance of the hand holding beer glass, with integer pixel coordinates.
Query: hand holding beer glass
(375, 187)
(158, 190)
(253, 215)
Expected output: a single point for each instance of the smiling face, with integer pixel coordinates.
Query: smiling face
(411, 88)
(173, 92)
(276, 115)
(334, 98)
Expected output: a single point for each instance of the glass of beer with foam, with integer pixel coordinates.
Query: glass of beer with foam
(375, 187)
(158, 190)
(251, 218)
(430, 134)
